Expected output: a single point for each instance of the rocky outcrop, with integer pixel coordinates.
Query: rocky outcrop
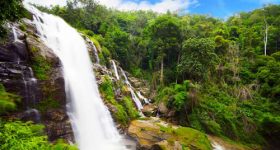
(30, 69)
(155, 134)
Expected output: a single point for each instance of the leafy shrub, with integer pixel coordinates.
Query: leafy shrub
(26, 136)
(7, 100)
(175, 96)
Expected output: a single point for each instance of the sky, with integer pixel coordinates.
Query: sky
(216, 8)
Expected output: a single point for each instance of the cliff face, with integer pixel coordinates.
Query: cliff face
(29, 69)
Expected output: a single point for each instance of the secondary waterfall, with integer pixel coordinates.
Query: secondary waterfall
(92, 123)
(115, 69)
(133, 95)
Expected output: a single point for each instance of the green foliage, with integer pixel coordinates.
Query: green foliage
(21, 136)
(175, 96)
(130, 108)
(198, 57)
(49, 103)
(222, 114)
(239, 86)
(125, 110)
(11, 10)
(40, 66)
(7, 101)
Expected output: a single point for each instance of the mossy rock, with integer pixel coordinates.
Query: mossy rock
(153, 133)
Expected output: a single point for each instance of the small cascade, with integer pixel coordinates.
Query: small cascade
(133, 95)
(115, 70)
(15, 34)
(30, 84)
(147, 101)
(95, 52)
(216, 146)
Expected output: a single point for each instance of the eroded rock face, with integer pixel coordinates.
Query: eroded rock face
(43, 100)
(155, 134)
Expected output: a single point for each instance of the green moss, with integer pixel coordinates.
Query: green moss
(23, 27)
(130, 108)
(188, 137)
(34, 49)
(41, 67)
(49, 103)
(121, 115)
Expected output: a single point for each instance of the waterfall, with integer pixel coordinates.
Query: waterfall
(15, 34)
(30, 87)
(133, 95)
(91, 120)
(147, 101)
(115, 69)
(95, 52)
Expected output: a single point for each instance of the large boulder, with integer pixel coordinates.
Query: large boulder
(155, 134)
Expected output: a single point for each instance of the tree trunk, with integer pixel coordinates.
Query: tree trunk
(178, 61)
(265, 38)
(161, 72)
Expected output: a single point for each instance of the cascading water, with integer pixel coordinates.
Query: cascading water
(30, 86)
(15, 34)
(133, 95)
(92, 123)
(115, 70)
(95, 52)
(147, 101)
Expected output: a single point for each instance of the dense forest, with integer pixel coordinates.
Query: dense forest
(221, 77)
(230, 68)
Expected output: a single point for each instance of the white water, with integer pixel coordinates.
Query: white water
(95, 52)
(15, 34)
(92, 123)
(216, 146)
(147, 101)
(115, 70)
(133, 95)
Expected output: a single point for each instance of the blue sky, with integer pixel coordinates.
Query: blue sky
(217, 8)
(226, 8)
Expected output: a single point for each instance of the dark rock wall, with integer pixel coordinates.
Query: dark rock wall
(43, 100)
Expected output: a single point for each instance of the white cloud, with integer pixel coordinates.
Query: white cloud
(161, 6)
(47, 2)
(127, 5)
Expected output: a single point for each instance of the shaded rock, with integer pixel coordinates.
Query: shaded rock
(135, 82)
(149, 110)
(162, 108)
(155, 134)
